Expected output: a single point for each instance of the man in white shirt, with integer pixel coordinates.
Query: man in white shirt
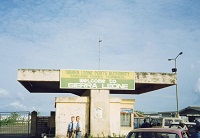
(78, 127)
(71, 129)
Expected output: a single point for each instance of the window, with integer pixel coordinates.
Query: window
(168, 122)
(125, 119)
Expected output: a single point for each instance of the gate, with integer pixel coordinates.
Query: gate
(15, 124)
(42, 125)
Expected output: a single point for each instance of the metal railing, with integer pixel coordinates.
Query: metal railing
(15, 124)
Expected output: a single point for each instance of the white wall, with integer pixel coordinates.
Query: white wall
(67, 107)
(115, 116)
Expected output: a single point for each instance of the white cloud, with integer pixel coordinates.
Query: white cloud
(197, 88)
(17, 105)
(3, 93)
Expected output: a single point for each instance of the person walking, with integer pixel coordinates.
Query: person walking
(71, 129)
(78, 127)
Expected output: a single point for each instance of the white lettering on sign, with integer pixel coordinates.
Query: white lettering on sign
(112, 81)
(94, 86)
(92, 80)
(114, 86)
(83, 85)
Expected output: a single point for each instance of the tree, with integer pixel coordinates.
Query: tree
(12, 119)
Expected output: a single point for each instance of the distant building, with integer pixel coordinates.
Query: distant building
(189, 113)
(168, 114)
(192, 112)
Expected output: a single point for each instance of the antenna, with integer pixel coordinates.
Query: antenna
(99, 52)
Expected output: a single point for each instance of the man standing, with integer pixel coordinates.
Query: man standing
(71, 128)
(145, 124)
(78, 127)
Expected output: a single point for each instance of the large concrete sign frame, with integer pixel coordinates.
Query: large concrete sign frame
(48, 81)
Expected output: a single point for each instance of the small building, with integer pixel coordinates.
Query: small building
(192, 112)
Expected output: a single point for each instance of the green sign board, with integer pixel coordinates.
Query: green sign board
(97, 79)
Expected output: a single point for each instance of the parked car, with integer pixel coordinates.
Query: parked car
(189, 126)
(164, 122)
(157, 133)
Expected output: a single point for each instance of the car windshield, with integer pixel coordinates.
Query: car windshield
(152, 135)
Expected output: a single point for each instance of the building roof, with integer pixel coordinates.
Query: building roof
(138, 115)
(190, 111)
(196, 108)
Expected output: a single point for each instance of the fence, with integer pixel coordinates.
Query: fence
(15, 124)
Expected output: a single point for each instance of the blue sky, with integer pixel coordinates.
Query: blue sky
(137, 35)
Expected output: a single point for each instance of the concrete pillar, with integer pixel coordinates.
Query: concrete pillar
(33, 123)
(99, 113)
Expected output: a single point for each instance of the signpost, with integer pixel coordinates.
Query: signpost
(97, 79)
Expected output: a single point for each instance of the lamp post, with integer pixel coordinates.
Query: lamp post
(175, 71)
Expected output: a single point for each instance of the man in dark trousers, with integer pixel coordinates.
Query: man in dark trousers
(78, 127)
(71, 129)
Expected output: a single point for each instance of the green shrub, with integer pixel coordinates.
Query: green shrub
(10, 120)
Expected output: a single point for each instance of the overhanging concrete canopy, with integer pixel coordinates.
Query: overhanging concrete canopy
(48, 81)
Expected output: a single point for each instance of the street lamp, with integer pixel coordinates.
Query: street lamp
(175, 71)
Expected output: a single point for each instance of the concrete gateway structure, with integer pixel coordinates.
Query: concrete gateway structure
(101, 115)
(97, 120)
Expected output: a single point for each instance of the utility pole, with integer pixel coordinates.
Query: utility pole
(99, 52)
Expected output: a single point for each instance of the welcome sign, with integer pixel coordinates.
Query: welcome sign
(97, 79)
